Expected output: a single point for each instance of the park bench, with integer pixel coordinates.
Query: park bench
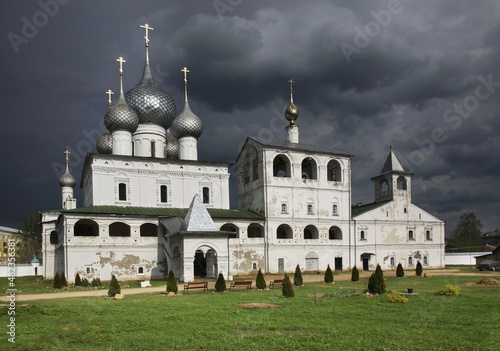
(195, 285)
(274, 282)
(247, 283)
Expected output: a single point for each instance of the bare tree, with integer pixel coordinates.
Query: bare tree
(31, 234)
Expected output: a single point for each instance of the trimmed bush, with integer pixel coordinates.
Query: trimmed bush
(94, 283)
(449, 290)
(400, 272)
(297, 277)
(220, 284)
(85, 282)
(396, 297)
(57, 281)
(418, 270)
(99, 283)
(63, 280)
(260, 282)
(376, 283)
(355, 275)
(172, 283)
(328, 275)
(78, 281)
(114, 287)
(287, 288)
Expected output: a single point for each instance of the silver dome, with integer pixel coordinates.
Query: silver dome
(121, 117)
(104, 143)
(172, 148)
(187, 124)
(67, 179)
(150, 102)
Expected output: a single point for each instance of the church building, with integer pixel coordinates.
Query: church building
(151, 206)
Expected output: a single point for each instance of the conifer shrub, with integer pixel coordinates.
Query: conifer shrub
(400, 272)
(57, 281)
(449, 290)
(85, 282)
(63, 280)
(328, 275)
(172, 283)
(94, 283)
(287, 288)
(297, 277)
(376, 283)
(78, 281)
(396, 297)
(99, 283)
(418, 270)
(114, 287)
(220, 284)
(260, 282)
(355, 275)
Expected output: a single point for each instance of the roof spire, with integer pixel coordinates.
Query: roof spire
(109, 92)
(147, 27)
(121, 60)
(291, 81)
(186, 71)
(292, 112)
(67, 159)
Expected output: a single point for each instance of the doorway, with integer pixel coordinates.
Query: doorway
(365, 264)
(338, 263)
(281, 265)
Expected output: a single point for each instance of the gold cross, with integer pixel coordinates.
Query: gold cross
(185, 70)
(147, 27)
(291, 84)
(121, 60)
(67, 157)
(109, 92)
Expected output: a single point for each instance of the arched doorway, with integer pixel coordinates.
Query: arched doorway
(205, 263)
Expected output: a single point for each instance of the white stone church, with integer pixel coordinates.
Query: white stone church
(151, 206)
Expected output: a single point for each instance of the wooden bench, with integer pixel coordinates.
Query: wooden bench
(274, 282)
(195, 285)
(247, 283)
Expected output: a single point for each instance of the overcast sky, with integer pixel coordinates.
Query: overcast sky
(422, 76)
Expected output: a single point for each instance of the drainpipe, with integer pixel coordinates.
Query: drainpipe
(266, 216)
(350, 218)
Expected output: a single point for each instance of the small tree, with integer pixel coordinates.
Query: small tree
(114, 287)
(297, 277)
(63, 280)
(85, 282)
(376, 283)
(418, 270)
(220, 284)
(328, 275)
(355, 275)
(57, 281)
(172, 283)
(400, 272)
(260, 282)
(99, 283)
(78, 281)
(94, 283)
(287, 288)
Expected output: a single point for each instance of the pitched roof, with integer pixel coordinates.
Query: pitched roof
(360, 209)
(283, 144)
(197, 218)
(392, 163)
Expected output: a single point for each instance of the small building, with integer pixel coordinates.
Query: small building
(9, 235)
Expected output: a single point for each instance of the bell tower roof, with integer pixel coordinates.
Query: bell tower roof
(392, 163)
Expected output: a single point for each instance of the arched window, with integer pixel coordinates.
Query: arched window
(335, 233)
(149, 229)
(284, 208)
(311, 232)
(410, 261)
(86, 227)
(335, 210)
(428, 235)
(426, 261)
(206, 195)
(411, 236)
(284, 232)
(163, 193)
(230, 227)
(384, 186)
(392, 262)
(153, 148)
(281, 166)
(310, 209)
(119, 229)
(362, 235)
(53, 238)
(309, 169)
(122, 192)
(255, 230)
(401, 183)
(140, 270)
(334, 171)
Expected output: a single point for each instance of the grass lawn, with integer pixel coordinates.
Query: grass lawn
(212, 321)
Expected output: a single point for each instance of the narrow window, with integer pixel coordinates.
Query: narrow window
(163, 193)
(405, 210)
(384, 186)
(401, 183)
(410, 261)
(334, 171)
(122, 192)
(206, 195)
(283, 208)
(363, 237)
(335, 210)
(428, 235)
(392, 261)
(426, 261)
(410, 235)
(255, 169)
(140, 270)
(153, 149)
(310, 209)
(88, 270)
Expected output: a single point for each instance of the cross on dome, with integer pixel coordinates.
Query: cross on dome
(67, 158)
(121, 60)
(291, 81)
(186, 71)
(109, 92)
(147, 27)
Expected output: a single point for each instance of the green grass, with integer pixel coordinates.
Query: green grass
(212, 321)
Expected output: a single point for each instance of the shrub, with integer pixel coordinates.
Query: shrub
(400, 272)
(376, 283)
(78, 281)
(297, 277)
(63, 280)
(395, 297)
(99, 283)
(328, 275)
(449, 290)
(172, 283)
(57, 281)
(287, 287)
(355, 275)
(114, 287)
(94, 283)
(220, 284)
(85, 282)
(418, 270)
(260, 282)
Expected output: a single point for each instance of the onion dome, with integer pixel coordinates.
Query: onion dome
(292, 112)
(67, 179)
(150, 102)
(172, 148)
(187, 124)
(121, 117)
(104, 143)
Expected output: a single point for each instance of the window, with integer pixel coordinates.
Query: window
(311, 232)
(53, 238)
(246, 172)
(86, 227)
(310, 209)
(153, 148)
(334, 171)
(410, 261)
(119, 229)
(384, 186)
(284, 232)
(411, 236)
(206, 195)
(281, 166)
(140, 270)
(309, 168)
(255, 230)
(88, 270)
(230, 227)
(426, 261)
(163, 193)
(401, 183)
(284, 208)
(335, 210)
(428, 235)
(362, 235)
(255, 168)
(392, 262)
(149, 229)
(334, 233)
(122, 192)
(405, 210)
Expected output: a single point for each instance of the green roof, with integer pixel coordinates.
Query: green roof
(357, 210)
(35, 260)
(166, 212)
